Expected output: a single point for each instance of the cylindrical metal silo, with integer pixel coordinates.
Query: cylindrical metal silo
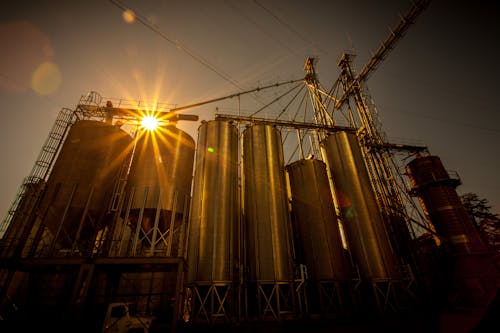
(81, 183)
(268, 242)
(436, 191)
(469, 266)
(318, 235)
(22, 222)
(367, 236)
(162, 158)
(214, 205)
(159, 188)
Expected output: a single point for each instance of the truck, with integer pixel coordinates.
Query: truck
(120, 319)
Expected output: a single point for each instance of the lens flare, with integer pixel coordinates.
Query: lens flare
(46, 79)
(149, 123)
(128, 16)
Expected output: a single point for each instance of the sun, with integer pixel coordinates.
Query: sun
(149, 123)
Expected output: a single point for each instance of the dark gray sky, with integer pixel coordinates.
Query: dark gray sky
(438, 87)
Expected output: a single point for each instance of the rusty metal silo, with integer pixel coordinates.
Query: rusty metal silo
(319, 237)
(436, 192)
(367, 236)
(265, 205)
(158, 190)
(213, 221)
(470, 269)
(80, 186)
(214, 205)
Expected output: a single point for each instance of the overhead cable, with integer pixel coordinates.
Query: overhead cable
(176, 43)
(286, 25)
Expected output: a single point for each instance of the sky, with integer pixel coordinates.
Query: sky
(438, 87)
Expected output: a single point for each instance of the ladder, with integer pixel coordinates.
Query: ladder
(43, 164)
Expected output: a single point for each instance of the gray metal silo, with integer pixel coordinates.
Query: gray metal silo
(267, 221)
(162, 158)
(154, 212)
(265, 205)
(214, 205)
(367, 236)
(317, 237)
(316, 222)
(214, 216)
(80, 186)
(158, 191)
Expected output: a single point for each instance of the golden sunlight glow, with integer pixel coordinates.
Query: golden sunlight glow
(149, 123)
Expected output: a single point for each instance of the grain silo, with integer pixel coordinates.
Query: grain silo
(214, 220)
(318, 240)
(439, 199)
(367, 236)
(81, 184)
(471, 272)
(158, 191)
(268, 244)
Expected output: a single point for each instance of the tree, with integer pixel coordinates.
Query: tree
(487, 223)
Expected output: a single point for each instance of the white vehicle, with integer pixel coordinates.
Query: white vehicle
(118, 319)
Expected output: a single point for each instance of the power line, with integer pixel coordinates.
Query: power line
(286, 25)
(176, 43)
(444, 120)
(263, 30)
(233, 95)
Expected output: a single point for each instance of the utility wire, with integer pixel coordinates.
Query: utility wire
(233, 95)
(288, 26)
(176, 43)
(277, 99)
(199, 59)
(263, 30)
(451, 121)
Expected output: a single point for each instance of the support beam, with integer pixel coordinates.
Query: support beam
(284, 123)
